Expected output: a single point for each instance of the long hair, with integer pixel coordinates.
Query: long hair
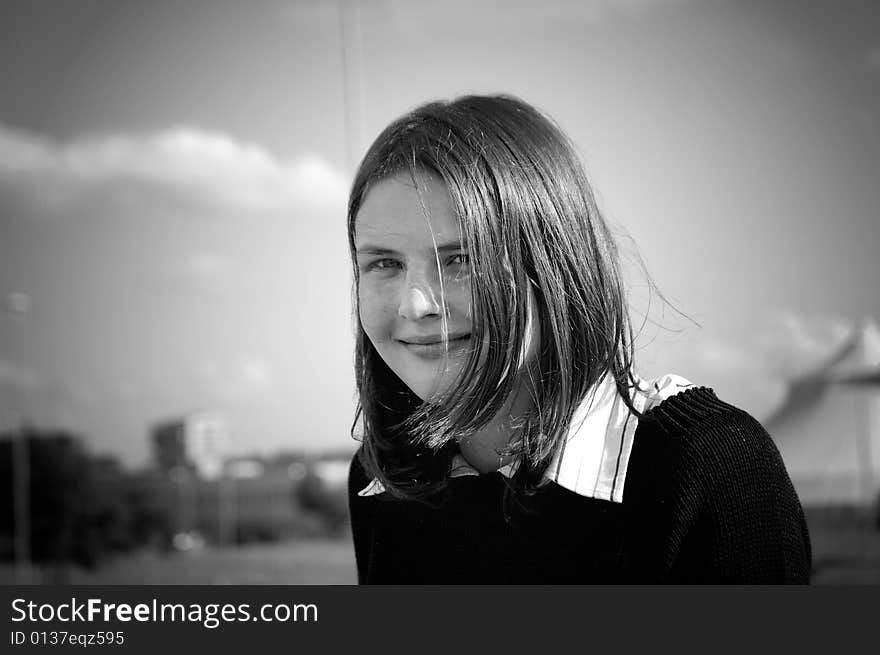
(529, 218)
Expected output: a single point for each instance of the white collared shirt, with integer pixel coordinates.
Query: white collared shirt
(593, 459)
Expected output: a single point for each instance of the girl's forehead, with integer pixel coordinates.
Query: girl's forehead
(398, 210)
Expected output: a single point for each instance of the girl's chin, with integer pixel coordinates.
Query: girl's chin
(428, 390)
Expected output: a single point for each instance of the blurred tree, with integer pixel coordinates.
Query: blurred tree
(149, 503)
(82, 508)
(312, 494)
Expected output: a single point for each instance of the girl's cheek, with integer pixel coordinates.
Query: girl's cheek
(464, 305)
(376, 307)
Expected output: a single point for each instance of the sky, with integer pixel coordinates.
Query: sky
(173, 182)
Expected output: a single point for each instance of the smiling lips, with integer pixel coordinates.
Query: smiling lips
(434, 346)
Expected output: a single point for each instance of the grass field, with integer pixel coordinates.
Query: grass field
(846, 551)
(286, 563)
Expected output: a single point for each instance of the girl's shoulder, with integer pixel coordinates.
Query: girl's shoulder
(699, 446)
(707, 484)
(696, 423)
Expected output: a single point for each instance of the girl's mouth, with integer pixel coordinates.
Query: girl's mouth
(435, 349)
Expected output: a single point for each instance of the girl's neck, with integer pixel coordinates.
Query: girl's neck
(484, 450)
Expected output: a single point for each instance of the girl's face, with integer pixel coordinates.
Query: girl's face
(401, 232)
(417, 313)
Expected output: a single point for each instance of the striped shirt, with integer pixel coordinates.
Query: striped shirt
(593, 459)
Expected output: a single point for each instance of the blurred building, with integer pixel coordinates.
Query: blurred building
(226, 499)
(196, 442)
(333, 472)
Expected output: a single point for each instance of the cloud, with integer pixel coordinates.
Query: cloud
(873, 57)
(184, 162)
(783, 346)
(794, 345)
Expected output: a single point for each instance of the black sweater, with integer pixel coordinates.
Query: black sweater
(707, 500)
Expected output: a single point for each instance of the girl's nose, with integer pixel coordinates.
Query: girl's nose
(419, 301)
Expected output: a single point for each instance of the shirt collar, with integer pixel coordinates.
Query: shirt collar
(593, 459)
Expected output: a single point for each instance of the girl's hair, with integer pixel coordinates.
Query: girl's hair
(529, 218)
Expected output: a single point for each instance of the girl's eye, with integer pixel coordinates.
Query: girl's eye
(459, 266)
(383, 265)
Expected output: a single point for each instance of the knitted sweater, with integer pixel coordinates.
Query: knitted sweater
(706, 500)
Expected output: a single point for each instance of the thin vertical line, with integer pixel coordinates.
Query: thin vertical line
(352, 77)
(17, 304)
(620, 452)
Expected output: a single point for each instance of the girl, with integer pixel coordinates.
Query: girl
(505, 435)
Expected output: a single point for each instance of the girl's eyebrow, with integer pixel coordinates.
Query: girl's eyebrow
(375, 250)
(370, 249)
